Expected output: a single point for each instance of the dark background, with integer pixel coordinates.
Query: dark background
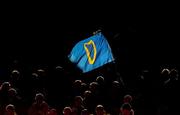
(45, 34)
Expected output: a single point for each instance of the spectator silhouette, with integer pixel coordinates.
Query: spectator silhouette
(100, 110)
(93, 87)
(77, 105)
(101, 90)
(52, 112)
(173, 88)
(115, 97)
(15, 79)
(87, 101)
(162, 91)
(10, 110)
(77, 87)
(67, 111)
(5, 86)
(39, 107)
(15, 99)
(126, 109)
(127, 99)
(85, 112)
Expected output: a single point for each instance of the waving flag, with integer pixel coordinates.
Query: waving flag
(91, 53)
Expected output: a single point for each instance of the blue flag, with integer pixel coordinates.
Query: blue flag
(91, 53)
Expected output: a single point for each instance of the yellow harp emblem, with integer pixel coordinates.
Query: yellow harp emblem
(90, 60)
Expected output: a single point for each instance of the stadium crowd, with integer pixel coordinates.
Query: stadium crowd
(55, 91)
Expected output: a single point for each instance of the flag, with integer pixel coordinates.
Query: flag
(91, 53)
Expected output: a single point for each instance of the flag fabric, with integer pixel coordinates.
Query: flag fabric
(91, 53)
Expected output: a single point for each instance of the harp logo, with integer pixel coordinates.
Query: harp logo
(92, 59)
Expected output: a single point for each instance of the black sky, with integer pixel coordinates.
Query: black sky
(49, 34)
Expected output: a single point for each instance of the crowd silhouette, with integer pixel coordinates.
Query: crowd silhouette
(56, 91)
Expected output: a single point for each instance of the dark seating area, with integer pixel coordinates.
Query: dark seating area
(37, 78)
